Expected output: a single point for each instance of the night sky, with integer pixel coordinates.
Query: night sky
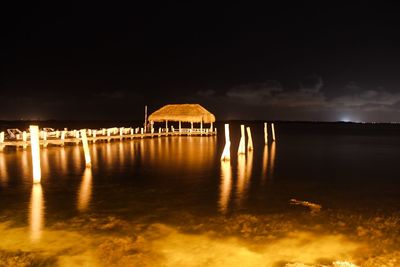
(277, 62)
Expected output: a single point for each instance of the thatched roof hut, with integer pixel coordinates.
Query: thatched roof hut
(183, 113)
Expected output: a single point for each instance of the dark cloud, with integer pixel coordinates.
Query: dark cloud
(309, 101)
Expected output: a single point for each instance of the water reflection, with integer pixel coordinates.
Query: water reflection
(44, 162)
(264, 166)
(241, 179)
(36, 212)
(25, 166)
(85, 190)
(225, 186)
(3, 170)
(272, 159)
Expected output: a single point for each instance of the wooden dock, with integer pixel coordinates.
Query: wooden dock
(73, 137)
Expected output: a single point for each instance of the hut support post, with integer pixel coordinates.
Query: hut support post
(201, 127)
(211, 127)
(191, 127)
(180, 127)
(166, 127)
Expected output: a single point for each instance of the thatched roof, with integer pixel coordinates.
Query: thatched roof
(182, 112)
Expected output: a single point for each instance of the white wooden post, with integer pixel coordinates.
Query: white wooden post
(35, 149)
(57, 134)
(141, 132)
(86, 148)
(201, 127)
(121, 132)
(45, 139)
(266, 133)
(273, 131)
(62, 137)
(24, 139)
(226, 154)
(94, 133)
(242, 142)
(1, 141)
(191, 127)
(89, 132)
(108, 135)
(250, 140)
(104, 132)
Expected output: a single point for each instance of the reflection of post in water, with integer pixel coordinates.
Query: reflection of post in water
(36, 212)
(264, 165)
(3, 169)
(249, 166)
(225, 186)
(25, 167)
(272, 158)
(63, 160)
(85, 190)
(77, 158)
(241, 178)
(45, 162)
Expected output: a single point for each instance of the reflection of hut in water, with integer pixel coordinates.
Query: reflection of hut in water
(184, 113)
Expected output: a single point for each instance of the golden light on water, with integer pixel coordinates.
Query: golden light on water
(225, 186)
(241, 183)
(85, 190)
(36, 212)
(272, 158)
(35, 148)
(264, 165)
(3, 170)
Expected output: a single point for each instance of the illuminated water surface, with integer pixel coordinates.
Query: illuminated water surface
(171, 201)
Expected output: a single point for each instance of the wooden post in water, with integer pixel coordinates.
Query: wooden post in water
(265, 133)
(201, 127)
(180, 127)
(121, 133)
(108, 135)
(45, 143)
(191, 127)
(24, 139)
(145, 119)
(35, 149)
(226, 154)
(250, 140)
(1, 141)
(62, 137)
(242, 142)
(94, 135)
(86, 148)
(273, 131)
(141, 132)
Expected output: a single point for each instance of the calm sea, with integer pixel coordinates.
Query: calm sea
(351, 170)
